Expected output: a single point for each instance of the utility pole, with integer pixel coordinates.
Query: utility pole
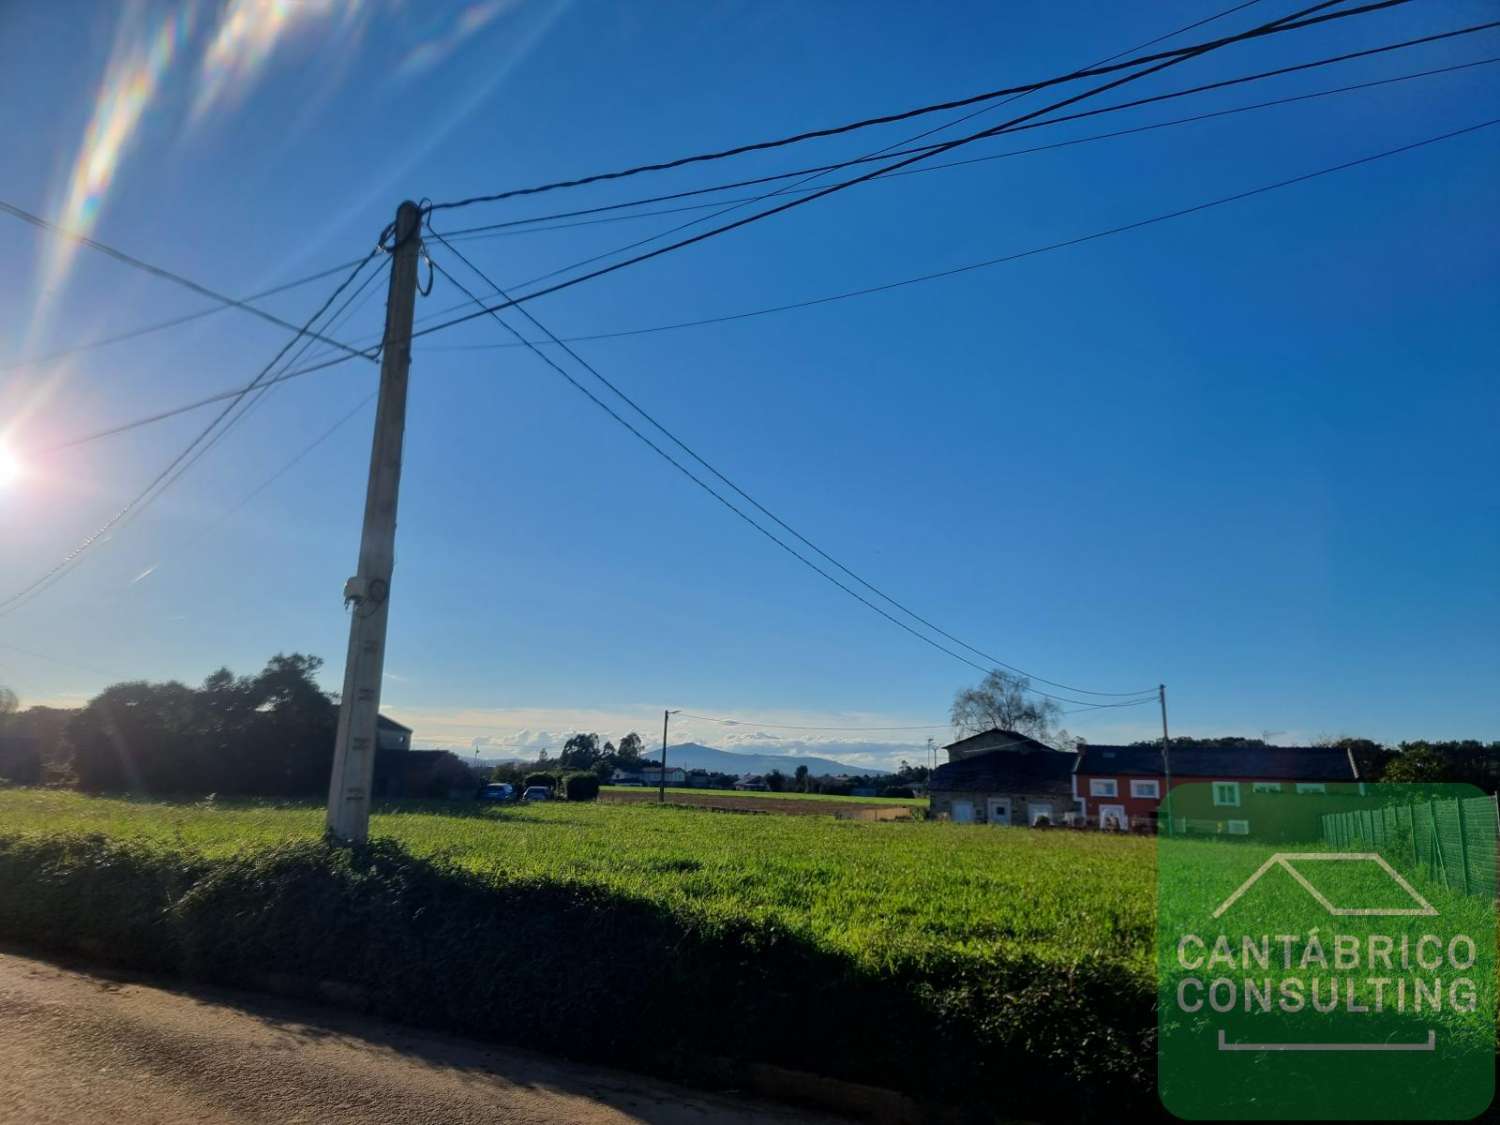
(1166, 756)
(368, 592)
(661, 792)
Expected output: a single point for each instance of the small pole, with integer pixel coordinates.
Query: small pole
(1166, 759)
(368, 592)
(661, 792)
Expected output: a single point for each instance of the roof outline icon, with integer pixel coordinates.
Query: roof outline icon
(1283, 860)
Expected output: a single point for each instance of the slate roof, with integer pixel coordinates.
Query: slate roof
(997, 738)
(1270, 763)
(1008, 771)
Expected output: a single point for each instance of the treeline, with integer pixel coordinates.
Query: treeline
(267, 735)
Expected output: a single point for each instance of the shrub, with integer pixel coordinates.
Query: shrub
(581, 787)
(546, 780)
(431, 941)
(897, 791)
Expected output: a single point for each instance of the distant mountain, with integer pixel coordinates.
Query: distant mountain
(695, 756)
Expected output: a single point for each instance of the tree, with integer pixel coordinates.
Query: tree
(628, 754)
(8, 703)
(776, 781)
(267, 735)
(801, 779)
(1417, 762)
(580, 752)
(1001, 701)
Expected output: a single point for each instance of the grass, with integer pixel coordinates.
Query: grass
(935, 958)
(914, 802)
(876, 892)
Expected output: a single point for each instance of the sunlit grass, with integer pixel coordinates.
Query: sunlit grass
(878, 892)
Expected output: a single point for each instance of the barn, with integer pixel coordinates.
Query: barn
(1001, 777)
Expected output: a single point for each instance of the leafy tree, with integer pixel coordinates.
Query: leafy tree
(776, 781)
(1417, 762)
(580, 752)
(8, 704)
(801, 779)
(628, 753)
(267, 735)
(1001, 701)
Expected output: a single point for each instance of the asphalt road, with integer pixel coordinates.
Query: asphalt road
(78, 1048)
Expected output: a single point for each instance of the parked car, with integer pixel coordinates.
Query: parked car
(536, 793)
(498, 791)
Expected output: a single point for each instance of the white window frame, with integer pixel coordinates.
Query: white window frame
(1145, 787)
(1266, 787)
(1312, 787)
(1238, 827)
(1234, 804)
(1104, 787)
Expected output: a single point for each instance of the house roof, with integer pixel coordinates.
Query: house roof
(383, 723)
(1043, 770)
(997, 738)
(1273, 763)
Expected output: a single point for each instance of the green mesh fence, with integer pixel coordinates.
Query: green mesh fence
(1454, 840)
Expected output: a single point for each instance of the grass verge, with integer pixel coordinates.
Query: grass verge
(503, 927)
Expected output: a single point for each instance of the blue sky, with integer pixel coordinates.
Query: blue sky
(1249, 452)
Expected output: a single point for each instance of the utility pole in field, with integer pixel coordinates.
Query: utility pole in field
(661, 792)
(1166, 756)
(368, 592)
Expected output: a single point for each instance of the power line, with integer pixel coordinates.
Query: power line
(135, 333)
(924, 726)
(302, 455)
(788, 726)
(151, 491)
(525, 226)
(267, 387)
(818, 174)
(197, 404)
(866, 291)
(945, 147)
(165, 274)
(813, 302)
(717, 495)
(762, 509)
(927, 150)
(1175, 55)
(953, 164)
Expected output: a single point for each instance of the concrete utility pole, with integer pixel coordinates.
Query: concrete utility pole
(368, 592)
(1166, 756)
(661, 792)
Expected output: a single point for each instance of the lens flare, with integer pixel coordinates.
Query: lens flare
(248, 34)
(11, 469)
(137, 66)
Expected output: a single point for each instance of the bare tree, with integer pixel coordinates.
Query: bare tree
(1001, 701)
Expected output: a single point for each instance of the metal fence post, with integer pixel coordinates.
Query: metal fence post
(1463, 842)
(1437, 842)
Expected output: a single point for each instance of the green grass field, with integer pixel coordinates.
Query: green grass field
(875, 892)
(932, 958)
(914, 802)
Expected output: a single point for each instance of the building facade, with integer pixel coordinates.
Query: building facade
(1229, 791)
(1002, 778)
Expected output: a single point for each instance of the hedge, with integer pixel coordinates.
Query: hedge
(433, 944)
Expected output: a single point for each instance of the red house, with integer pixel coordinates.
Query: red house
(1121, 786)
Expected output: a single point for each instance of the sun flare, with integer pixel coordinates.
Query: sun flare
(10, 468)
